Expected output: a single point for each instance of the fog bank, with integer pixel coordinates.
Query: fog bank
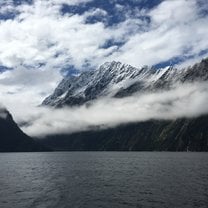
(188, 100)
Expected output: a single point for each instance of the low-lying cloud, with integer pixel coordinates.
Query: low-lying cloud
(188, 100)
(38, 42)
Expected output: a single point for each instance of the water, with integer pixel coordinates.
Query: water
(103, 179)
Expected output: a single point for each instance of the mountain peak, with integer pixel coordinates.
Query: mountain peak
(115, 79)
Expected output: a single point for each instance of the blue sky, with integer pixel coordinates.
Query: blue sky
(41, 40)
(122, 26)
(111, 7)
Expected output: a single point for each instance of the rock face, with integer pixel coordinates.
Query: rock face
(12, 139)
(118, 80)
(114, 79)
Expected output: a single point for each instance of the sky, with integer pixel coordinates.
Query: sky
(43, 40)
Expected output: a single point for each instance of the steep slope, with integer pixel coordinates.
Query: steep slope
(12, 139)
(177, 135)
(114, 79)
(90, 85)
(118, 80)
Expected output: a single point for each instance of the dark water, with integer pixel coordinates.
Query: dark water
(103, 179)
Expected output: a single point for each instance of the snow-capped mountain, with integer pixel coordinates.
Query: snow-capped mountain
(114, 79)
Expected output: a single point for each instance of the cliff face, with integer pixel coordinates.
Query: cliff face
(12, 139)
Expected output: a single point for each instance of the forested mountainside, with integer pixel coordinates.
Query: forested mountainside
(12, 139)
(118, 80)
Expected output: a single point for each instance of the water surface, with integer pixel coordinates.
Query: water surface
(103, 179)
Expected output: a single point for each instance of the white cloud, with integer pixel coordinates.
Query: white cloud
(183, 101)
(40, 41)
(40, 33)
(96, 12)
(68, 2)
(176, 29)
(26, 87)
(174, 12)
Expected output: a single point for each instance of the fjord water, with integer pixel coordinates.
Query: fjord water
(103, 179)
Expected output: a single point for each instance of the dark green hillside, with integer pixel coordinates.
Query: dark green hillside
(12, 139)
(177, 135)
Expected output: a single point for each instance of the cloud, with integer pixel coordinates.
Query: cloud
(168, 34)
(188, 100)
(68, 2)
(174, 12)
(38, 41)
(40, 33)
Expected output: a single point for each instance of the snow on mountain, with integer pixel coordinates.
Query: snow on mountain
(115, 79)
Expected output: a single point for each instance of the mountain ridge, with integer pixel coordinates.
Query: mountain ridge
(180, 134)
(114, 79)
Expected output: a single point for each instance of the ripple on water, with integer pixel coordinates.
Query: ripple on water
(103, 179)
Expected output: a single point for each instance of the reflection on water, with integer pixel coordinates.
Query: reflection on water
(103, 179)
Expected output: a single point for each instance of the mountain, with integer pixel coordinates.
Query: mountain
(153, 135)
(114, 79)
(12, 139)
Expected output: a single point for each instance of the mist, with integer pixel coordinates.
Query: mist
(3, 112)
(188, 101)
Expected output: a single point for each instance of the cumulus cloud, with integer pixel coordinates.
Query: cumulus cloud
(40, 33)
(26, 87)
(168, 35)
(188, 100)
(38, 41)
